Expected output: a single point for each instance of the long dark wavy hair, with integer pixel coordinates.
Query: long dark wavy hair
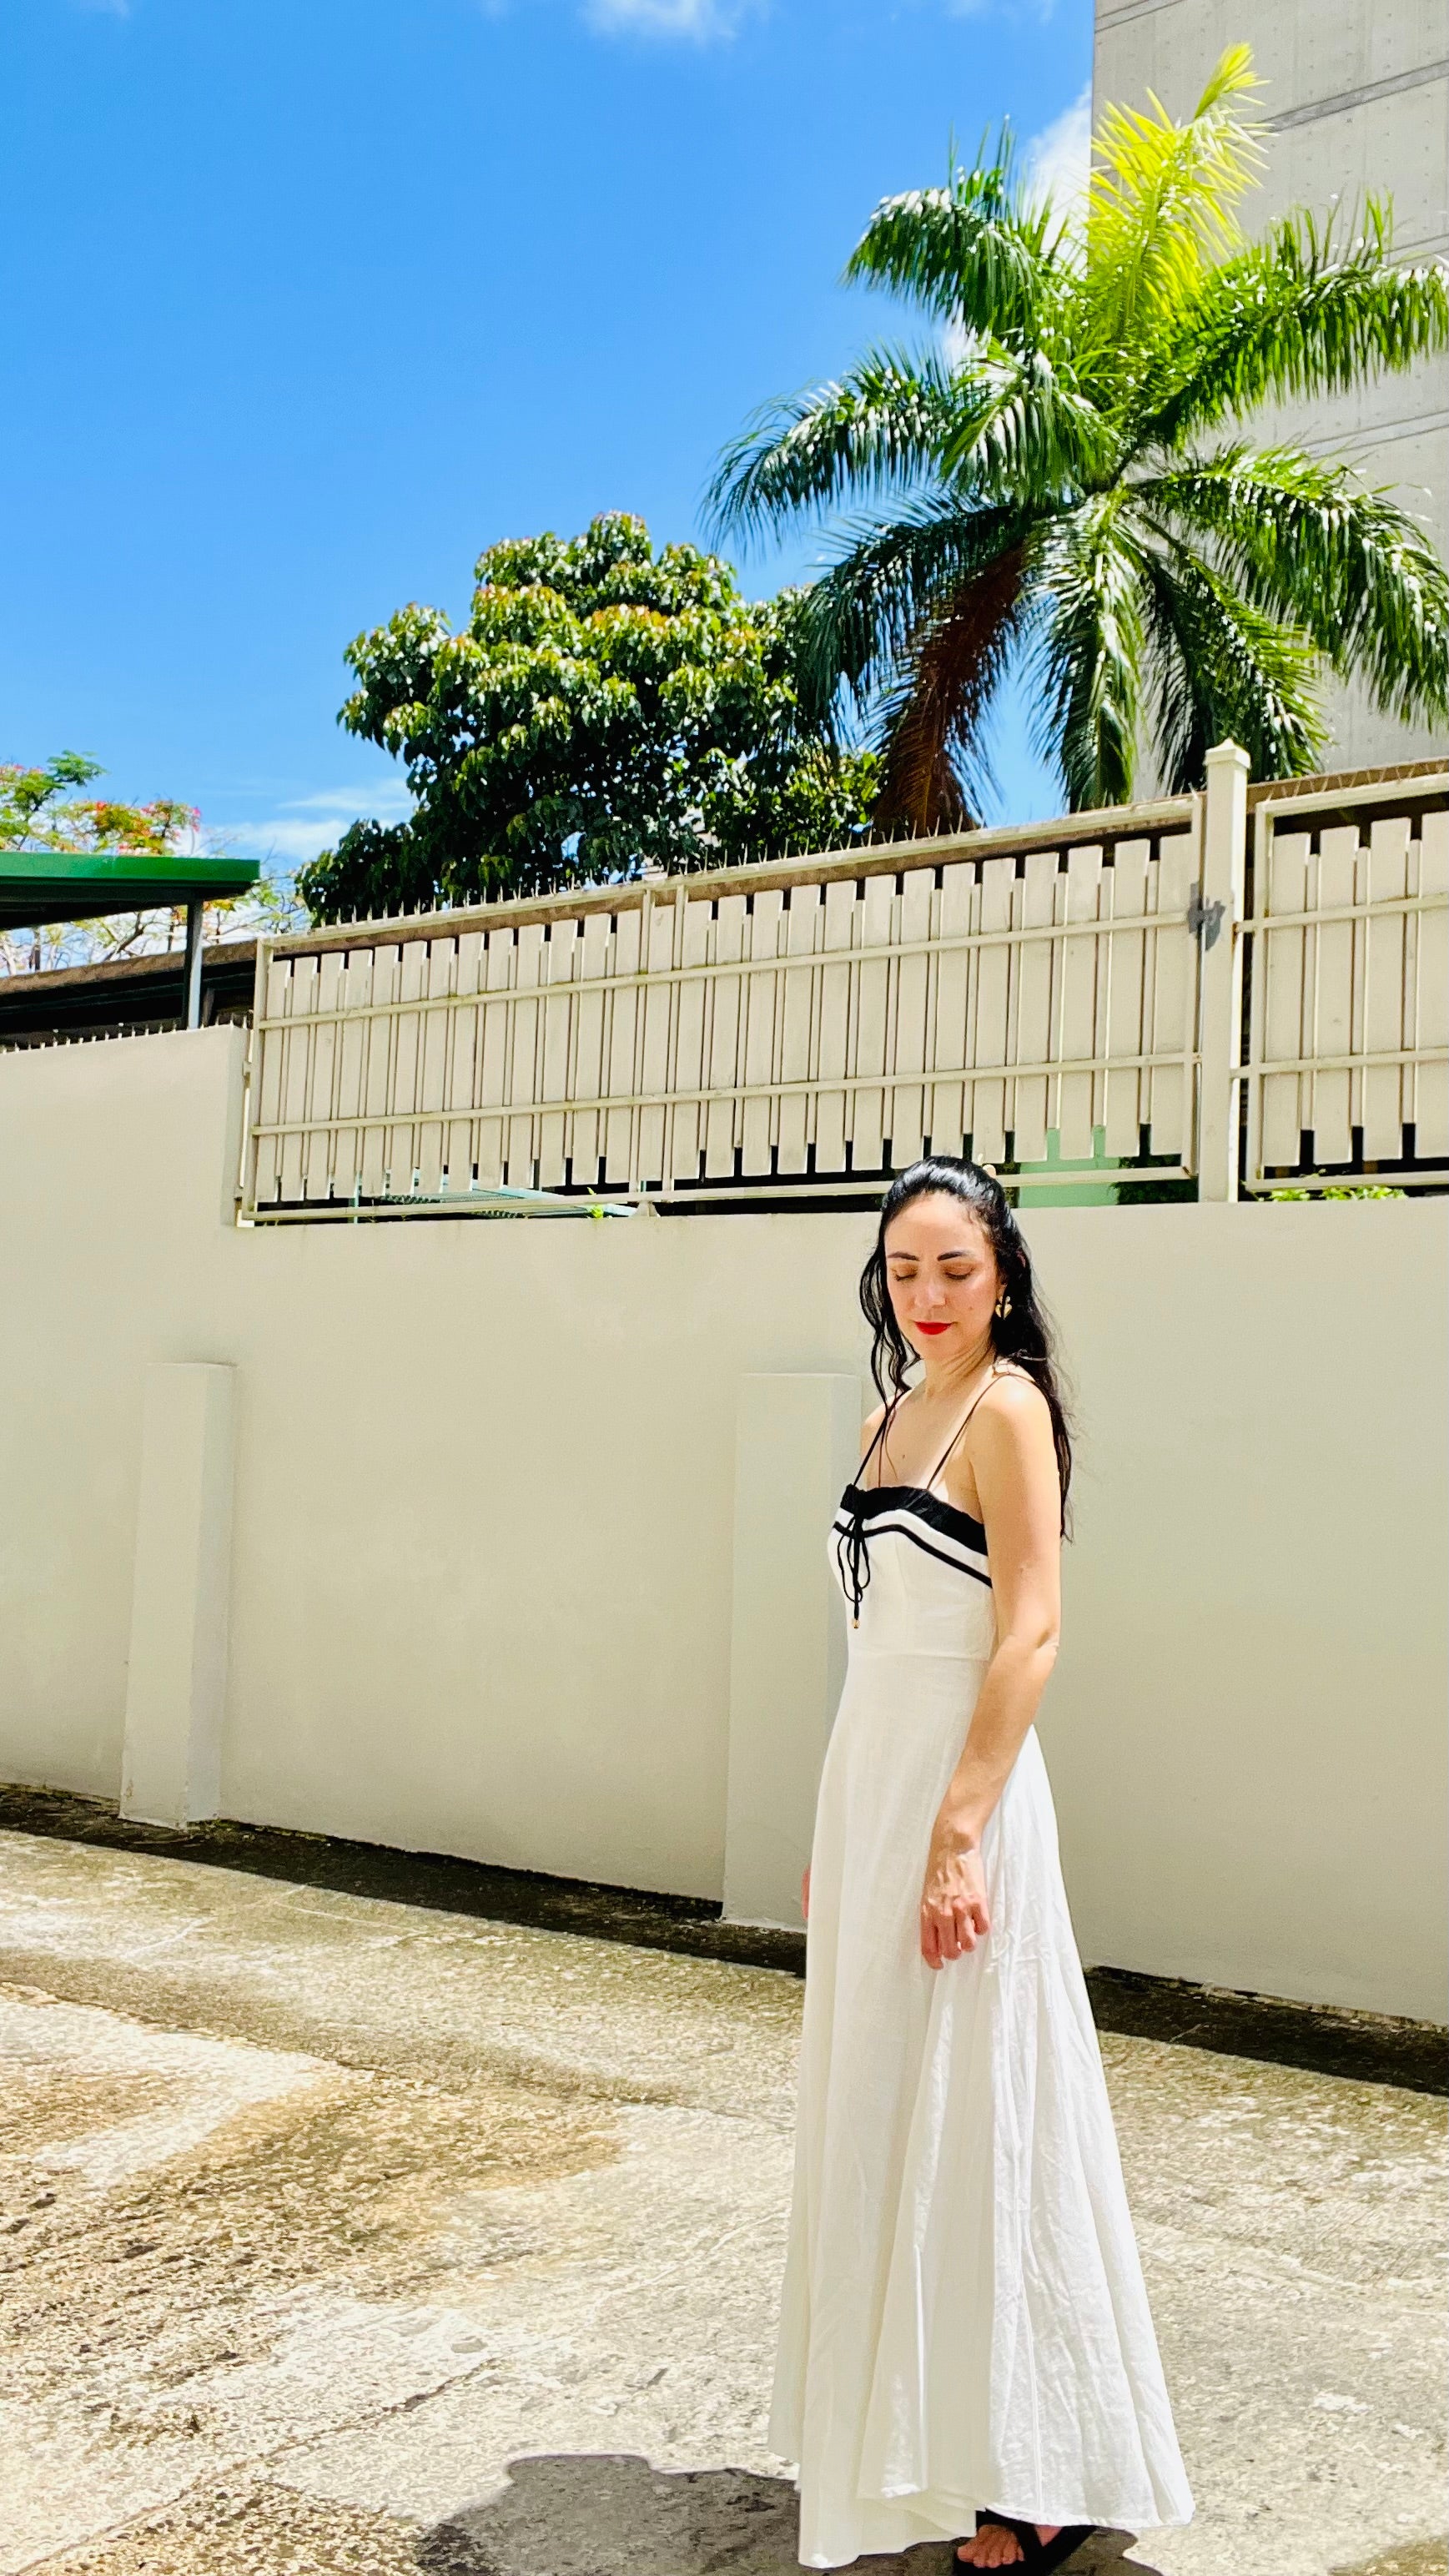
(1022, 1335)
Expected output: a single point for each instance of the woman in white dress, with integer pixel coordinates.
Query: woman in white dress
(966, 2350)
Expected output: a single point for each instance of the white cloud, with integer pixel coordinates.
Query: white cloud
(307, 824)
(700, 21)
(290, 843)
(387, 798)
(1038, 11)
(1060, 157)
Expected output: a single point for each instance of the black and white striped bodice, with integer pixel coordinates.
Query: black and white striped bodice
(874, 1519)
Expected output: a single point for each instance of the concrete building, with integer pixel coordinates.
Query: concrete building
(1358, 101)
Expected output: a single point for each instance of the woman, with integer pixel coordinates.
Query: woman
(966, 2345)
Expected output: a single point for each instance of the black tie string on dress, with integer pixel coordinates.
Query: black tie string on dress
(852, 1556)
(852, 1550)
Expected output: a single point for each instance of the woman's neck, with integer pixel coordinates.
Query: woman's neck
(944, 1379)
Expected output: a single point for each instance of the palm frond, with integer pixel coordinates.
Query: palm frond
(1306, 542)
(1040, 488)
(1088, 651)
(1302, 313)
(882, 424)
(1023, 431)
(1224, 670)
(979, 252)
(895, 580)
(1162, 200)
(935, 769)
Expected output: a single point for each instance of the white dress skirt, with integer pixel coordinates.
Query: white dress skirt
(964, 2319)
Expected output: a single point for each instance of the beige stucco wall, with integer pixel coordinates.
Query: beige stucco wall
(483, 1524)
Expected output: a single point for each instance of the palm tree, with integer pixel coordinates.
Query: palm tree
(1059, 483)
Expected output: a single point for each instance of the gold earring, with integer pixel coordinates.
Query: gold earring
(1003, 1306)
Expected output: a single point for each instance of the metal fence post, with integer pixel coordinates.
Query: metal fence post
(1219, 914)
(252, 1078)
(195, 959)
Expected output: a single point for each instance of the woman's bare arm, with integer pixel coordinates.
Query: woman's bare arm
(1014, 1463)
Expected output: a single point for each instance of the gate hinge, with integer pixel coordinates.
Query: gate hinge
(1204, 920)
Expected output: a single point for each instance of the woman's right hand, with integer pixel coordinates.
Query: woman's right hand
(805, 1894)
(955, 1914)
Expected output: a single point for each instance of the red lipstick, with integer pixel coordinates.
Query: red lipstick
(933, 1328)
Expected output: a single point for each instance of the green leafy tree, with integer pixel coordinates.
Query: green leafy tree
(40, 809)
(36, 813)
(1059, 483)
(605, 708)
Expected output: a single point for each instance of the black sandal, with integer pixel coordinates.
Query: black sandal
(1039, 2557)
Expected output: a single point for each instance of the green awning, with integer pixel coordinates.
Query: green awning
(62, 885)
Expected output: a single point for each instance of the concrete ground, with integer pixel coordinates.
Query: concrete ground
(343, 2235)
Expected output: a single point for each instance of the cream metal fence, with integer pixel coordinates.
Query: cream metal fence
(1348, 1016)
(1072, 989)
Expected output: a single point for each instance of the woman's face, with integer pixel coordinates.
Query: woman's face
(942, 1276)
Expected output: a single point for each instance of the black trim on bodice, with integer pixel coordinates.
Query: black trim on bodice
(868, 1500)
(902, 1511)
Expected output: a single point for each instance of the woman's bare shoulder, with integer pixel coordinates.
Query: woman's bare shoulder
(1014, 1397)
(870, 1434)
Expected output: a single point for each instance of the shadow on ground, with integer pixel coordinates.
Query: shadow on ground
(611, 2514)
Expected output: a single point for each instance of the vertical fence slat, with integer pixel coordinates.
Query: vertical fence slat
(721, 1126)
(908, 1104)
(462, 1025)
(377, 1073)
(1080, 964)
(300, 993)
(1033, 1032)
(1430, 1021)
(865, 1109)
(1385, 878)
(658, 1007)
(352, 1037)
(1281, 961)
(832, 1109)
(1327, 1109)
(684, 1161)
(407, 1064)
(799, 986)
(269, 1083)
(322, 1086)
(440, 960)
(1174, 994)
(521, 1134)
(619, 1044)
(993, 1012)
(558, 969)
(761, 999)
(586, 1080)
(1124, 1113)
(946, 1101)
(496, 977)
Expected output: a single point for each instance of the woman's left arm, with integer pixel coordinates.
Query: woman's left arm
(1014, 1463)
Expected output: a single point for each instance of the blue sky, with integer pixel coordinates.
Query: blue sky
(310, 300)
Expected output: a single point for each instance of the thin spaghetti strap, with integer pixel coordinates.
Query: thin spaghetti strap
(882, 1427)
(961, 1425)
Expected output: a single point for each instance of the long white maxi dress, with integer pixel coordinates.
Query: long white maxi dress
(964, 2320)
